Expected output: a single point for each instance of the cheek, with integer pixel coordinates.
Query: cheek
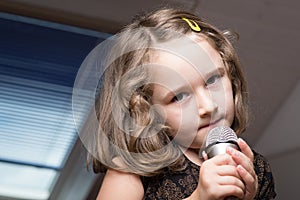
(229, 103)
(229, 107)
(224, 99)
(184, 124)
(173, 117)
(182, 119)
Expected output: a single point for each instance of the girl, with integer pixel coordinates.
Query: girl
(170, 78)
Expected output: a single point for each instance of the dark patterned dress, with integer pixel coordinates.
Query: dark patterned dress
(180, 185)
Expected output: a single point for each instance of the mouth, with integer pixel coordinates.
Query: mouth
(210, 125)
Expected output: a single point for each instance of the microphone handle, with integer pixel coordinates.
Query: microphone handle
(220, 148)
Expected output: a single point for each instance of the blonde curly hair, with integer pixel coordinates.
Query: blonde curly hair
(128, 128)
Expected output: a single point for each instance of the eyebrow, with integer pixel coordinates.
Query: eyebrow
(219, 70)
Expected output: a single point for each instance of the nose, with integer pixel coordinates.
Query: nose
(206, 104)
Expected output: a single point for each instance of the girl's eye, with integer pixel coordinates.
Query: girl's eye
(213, 79)
(179, 97)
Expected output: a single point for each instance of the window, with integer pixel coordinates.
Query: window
(38, 66)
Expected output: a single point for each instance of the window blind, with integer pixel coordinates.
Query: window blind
(38, 66)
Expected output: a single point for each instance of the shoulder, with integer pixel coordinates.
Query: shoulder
(121, 185)
(266, 185)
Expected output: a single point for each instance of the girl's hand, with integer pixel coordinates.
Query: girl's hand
(245, 168)
(219, 178)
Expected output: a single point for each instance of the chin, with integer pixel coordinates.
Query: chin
(198, 142)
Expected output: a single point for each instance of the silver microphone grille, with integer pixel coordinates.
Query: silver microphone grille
(220, 134)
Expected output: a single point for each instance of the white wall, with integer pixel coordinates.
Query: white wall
(280, 143)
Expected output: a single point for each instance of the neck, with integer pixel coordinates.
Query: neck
(193, 156)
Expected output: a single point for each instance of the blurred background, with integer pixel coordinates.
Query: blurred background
(43, 43)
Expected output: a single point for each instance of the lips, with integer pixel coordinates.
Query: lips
(212, 124)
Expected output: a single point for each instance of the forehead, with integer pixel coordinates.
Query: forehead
(185, 57)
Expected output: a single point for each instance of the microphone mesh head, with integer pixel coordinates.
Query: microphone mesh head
(220, 134)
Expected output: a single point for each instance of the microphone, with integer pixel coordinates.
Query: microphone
(218, 139)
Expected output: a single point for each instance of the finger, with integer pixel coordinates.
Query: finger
(245, 149)
(223, 159)
(249, 179)
(231, 191)
(204, 155)
(228, 170)
(231, 180)
(241, 159)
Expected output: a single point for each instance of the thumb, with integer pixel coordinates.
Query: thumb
(204, 155)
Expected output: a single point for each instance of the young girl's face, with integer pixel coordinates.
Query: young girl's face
(192, 91)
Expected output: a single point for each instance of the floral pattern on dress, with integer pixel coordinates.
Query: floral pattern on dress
(172, 185)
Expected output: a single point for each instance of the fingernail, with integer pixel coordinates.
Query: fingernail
(230, 150)
(240, 168)
(237, 153)
(204, 155)
(241, 140)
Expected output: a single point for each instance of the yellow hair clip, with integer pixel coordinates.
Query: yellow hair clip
(194, 26)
